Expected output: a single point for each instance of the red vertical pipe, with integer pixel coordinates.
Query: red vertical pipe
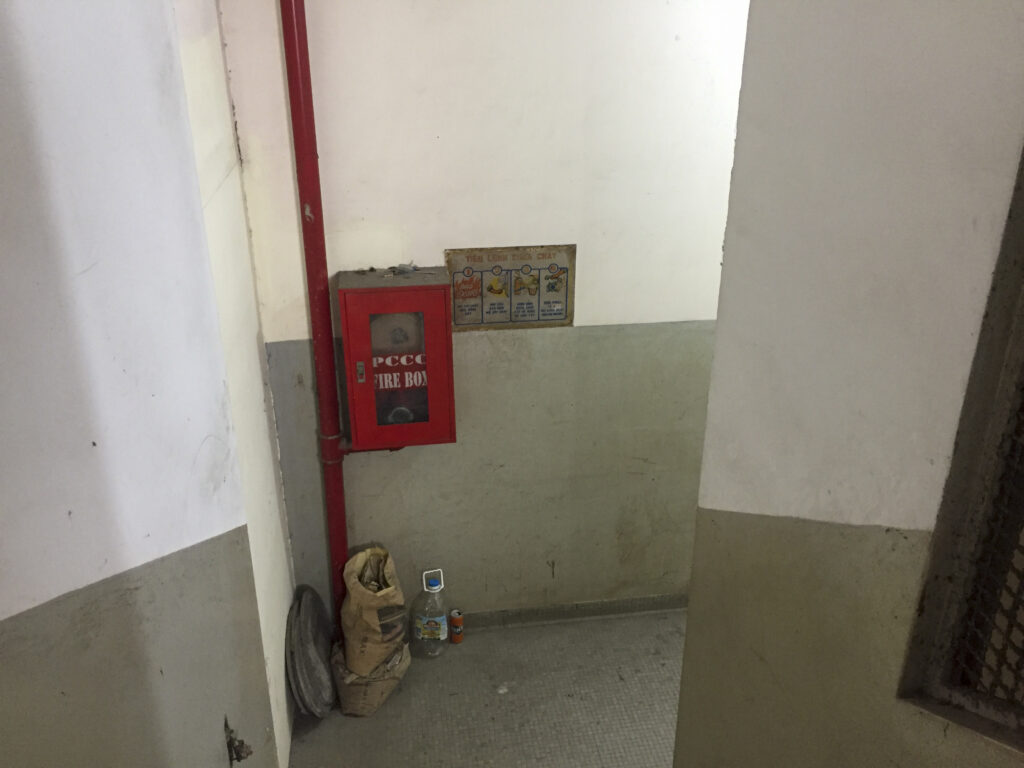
(307, 172)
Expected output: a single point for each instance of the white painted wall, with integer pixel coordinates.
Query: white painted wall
(227, 236)
(115, 437)
(878, 144)
(448, 124)
(259, 94)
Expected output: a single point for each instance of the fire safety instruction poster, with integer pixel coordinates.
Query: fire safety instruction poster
(518, 287)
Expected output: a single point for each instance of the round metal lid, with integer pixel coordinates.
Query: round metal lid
(308, 652)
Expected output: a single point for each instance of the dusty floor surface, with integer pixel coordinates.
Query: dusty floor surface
(593, 693)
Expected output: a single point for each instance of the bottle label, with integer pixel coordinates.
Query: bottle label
(430, 628)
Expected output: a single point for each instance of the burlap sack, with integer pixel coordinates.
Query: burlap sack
(373, 619)
(362, 696)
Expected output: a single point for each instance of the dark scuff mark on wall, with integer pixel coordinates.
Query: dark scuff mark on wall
(238, 750)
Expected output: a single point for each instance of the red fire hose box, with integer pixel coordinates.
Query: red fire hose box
(393, 335)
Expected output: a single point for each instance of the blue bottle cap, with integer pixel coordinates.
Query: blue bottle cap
(433, 583)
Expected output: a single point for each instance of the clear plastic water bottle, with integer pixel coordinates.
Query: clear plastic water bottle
(429, 617)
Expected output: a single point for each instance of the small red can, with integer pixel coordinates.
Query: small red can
(455, 622)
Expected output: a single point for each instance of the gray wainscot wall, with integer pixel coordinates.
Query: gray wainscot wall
(574, 477)
(141, 668)
(797, 634)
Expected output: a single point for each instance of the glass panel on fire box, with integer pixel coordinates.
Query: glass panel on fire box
(399, 367)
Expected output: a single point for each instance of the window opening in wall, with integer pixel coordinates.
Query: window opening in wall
(986, 668)
(966, 658)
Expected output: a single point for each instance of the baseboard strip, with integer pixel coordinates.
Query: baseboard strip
(575, 611)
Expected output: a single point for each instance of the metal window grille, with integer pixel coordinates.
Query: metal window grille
(986, 663)
(965, 660)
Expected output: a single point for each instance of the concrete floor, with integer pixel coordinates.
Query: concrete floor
(594, 693)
